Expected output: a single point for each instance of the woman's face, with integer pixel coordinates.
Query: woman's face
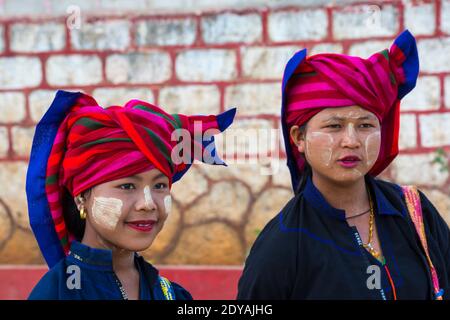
(129, 212)
(335, 133)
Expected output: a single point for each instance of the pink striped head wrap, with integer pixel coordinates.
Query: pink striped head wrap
(335, 80)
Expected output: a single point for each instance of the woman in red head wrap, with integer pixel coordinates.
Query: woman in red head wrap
(346, 234)
(98, 190)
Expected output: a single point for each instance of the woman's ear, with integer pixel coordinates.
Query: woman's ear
(82, 198)
(79, 201)
(298, 136)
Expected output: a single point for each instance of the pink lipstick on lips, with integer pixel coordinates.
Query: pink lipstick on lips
(142, 225)
(349, 161)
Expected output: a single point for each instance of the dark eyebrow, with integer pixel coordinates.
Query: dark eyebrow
(368, 118)
(160, 175)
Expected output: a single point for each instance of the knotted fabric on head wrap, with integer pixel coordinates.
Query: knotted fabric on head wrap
(377, 84)
(78, 145)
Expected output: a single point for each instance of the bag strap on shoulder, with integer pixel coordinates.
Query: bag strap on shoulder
(412, 198)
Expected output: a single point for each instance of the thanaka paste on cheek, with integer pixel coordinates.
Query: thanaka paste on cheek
(372, 147)
(168, 204)
(107, 211)
(324, 139)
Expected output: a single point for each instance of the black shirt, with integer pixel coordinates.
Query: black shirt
(308, 251)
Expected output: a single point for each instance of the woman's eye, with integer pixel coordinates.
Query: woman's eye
(367, 125)
(127, 186)
(333, 126)
(160, 186)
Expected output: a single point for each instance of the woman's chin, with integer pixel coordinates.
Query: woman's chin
(347, 177)
(141, 245)
(137, 244)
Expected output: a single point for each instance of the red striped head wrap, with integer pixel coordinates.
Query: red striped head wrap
(78, 145)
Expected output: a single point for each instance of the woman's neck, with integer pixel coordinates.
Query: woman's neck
(122, 260)
(352, 197)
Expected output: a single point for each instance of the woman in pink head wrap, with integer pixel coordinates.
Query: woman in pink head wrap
(346, 234)
(98, 190)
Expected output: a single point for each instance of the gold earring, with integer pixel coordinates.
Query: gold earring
(82, 213)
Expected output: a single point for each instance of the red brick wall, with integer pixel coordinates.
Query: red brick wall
(230, 57)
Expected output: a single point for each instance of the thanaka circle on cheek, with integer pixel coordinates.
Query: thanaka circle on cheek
(327, 140)
(107, 211)
(372, 146)
(168, 204)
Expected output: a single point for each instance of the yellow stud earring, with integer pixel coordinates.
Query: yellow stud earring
(82, 213)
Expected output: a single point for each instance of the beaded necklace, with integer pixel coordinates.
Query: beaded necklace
(368, 245)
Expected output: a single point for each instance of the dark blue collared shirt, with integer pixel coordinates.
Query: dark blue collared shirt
(97, 280)
(309, 251)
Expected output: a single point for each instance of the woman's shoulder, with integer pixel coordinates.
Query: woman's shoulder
(278, 237)
(156, 280)
(285, 219)
(48, 286)
(433, 220)
(271, 263)
(180, 292)
(395, 194)
(388, 187)
(427, 206)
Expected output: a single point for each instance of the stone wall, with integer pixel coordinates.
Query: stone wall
(204, 57)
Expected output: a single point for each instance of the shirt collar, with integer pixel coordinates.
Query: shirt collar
(314, 197)
(100, 259)
(383, 205)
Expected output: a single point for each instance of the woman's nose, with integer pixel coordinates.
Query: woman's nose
(350, 137)
(146, 201)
